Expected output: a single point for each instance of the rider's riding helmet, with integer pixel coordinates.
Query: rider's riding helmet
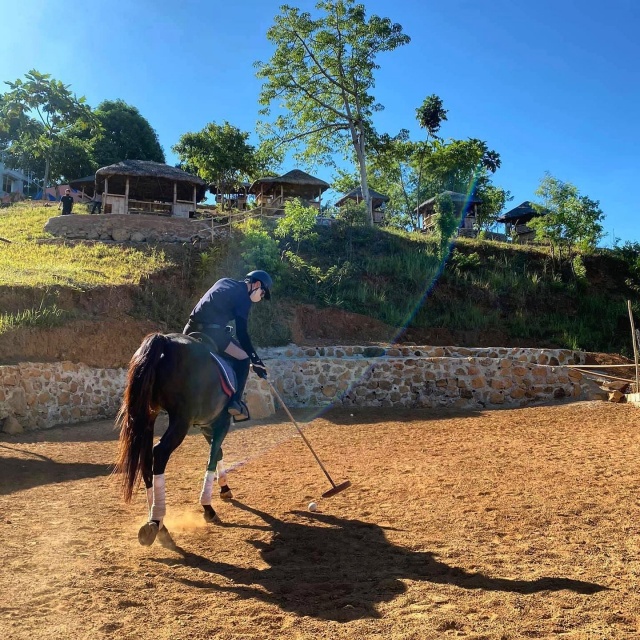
(264, 279)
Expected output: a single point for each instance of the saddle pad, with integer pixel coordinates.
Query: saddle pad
(227, 374)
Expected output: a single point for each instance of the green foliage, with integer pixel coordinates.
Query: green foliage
(257, 248)
(219, 154)
(299, 222)
(462, 262)
(44, 317)
(125, 135)
(39, 111)
(313, 283)
(321, 76)
(446, 222)
(569, 221)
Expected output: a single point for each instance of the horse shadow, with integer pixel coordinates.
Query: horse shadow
(340, 569)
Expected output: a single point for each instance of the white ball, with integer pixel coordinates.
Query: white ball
(313, 506)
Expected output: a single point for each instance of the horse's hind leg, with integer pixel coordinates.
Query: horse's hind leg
(169, 442)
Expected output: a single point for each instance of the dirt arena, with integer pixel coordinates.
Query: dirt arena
(503, 524)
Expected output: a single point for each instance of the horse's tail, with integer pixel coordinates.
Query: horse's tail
(136, 416)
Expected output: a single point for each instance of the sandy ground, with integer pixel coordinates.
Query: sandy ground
(496, 525)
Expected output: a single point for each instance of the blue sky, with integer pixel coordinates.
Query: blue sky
(552, 86)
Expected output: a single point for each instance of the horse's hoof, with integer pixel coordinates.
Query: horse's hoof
(226, 493)
(165, 539)
(148, 533)
(210, 515)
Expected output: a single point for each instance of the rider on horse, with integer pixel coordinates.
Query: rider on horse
(229, 300)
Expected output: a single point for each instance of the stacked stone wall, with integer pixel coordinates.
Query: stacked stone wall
(131, 228)
(41, 395)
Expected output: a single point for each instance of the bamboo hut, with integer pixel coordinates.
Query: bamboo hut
(377, 201)
(271, 193)
(142, 186)
(515, 222)
(464, 205)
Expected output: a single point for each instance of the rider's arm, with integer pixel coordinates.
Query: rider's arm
(243, 337)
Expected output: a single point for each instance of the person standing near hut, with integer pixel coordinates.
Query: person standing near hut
(66, 202)
(96, 202)
(225, 301)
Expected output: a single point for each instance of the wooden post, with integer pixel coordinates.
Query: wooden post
(195, 200)
(126, 196)
(635, 345)
(105, 194)
(319, 202)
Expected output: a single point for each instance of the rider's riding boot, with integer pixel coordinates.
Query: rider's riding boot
(236, 407)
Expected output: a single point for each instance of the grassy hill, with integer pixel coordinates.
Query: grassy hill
(482, 293)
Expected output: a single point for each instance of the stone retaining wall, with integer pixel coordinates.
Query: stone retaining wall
(131, 228)
(41, 395)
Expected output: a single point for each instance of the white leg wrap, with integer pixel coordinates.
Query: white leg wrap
(159, 507)
(150, 499)
(222, 476)
(207, 488)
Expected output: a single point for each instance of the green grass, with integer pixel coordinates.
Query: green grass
(43, 316)
(32, 259)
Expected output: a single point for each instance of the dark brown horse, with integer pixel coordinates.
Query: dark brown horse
(176, 373)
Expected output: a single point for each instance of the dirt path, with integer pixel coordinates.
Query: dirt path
(495, 525)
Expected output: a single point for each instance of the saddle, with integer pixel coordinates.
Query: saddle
(227, 374)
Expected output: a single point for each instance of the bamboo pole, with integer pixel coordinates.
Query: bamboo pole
(635, 346)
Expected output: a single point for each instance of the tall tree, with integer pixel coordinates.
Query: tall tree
(125, 135)
(568, 219)
(42, 110)
(321, 76)
(219, 154)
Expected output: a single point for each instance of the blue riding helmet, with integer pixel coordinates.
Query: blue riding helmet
(264, 279)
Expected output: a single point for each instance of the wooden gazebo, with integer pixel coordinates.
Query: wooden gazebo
(377, 200)
(515, 221)
(271, 193)
(464, 205)
(142, 186)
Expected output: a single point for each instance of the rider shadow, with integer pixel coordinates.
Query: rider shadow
(341, 571)
(21, 473)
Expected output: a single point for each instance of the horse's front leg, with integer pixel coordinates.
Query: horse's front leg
(215, 433)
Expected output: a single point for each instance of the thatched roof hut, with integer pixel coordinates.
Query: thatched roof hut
(293, 184)
(377, 199)
(460, 200)
(271, 193)
(464, 205)
(520, 214)
(142, 186)
(150, 181)
(515, 221)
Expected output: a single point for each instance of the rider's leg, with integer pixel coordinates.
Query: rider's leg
(239, 360)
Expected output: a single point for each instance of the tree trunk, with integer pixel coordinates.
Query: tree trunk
(364, 184)
(45, 182)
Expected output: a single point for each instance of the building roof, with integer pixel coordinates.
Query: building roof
(147, 168)
(152, 180)
(456, 197)
(524, 211)
(87, 183)
(356, 194)
(296, 177)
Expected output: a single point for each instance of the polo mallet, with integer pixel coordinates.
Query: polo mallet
(335, 488)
